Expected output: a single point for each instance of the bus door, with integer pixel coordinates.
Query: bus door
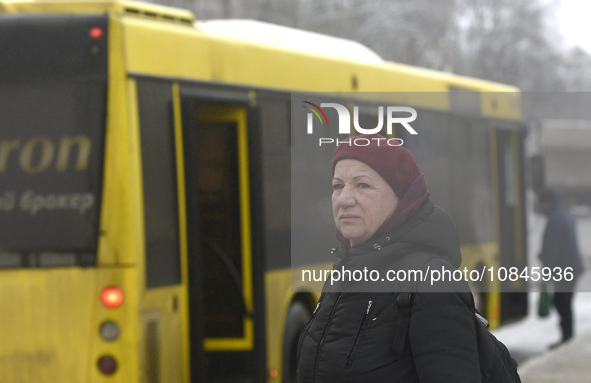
(511, 218)
(220, 250)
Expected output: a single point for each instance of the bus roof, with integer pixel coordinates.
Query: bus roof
(256, 32)
(135, 8)
(311, 43)
(290, 38)
(253, 53)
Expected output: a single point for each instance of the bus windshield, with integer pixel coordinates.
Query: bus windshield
(52, 126)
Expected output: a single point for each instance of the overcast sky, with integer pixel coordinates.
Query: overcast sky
(574, 17)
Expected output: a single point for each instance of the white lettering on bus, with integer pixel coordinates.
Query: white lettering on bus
(7, 201)
(47, 153)
(26, 157)
(33, 203)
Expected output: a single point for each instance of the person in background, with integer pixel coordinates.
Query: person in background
(560, 250)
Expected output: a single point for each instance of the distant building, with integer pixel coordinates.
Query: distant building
(566, 147)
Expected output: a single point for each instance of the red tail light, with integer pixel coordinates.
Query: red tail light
(112, 297)
(95, 33)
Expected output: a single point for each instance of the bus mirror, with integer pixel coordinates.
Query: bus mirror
(537, 169)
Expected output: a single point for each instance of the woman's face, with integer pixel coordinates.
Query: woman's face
(361, 200)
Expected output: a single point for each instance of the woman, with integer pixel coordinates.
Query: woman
(382, 214)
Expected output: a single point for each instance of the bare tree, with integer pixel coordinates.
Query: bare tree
(575, 70)
(508, 41)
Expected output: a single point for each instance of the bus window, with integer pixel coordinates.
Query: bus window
(159, 177)
(220, 229)
(276, 159)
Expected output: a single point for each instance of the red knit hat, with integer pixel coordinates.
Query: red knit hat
(394, 163)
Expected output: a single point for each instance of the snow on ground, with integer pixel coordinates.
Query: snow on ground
(532, 336)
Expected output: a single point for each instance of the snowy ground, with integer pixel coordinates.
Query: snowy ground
(532, 336)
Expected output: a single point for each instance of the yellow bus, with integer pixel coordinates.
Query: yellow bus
(145, 215)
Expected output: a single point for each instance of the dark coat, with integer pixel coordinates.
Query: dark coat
(559, 247)
(350, 339)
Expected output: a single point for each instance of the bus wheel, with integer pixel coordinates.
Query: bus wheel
(297, 318)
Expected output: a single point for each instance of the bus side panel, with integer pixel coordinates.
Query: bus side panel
(46, 332)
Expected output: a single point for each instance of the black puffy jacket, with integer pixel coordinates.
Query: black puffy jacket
(350, 337)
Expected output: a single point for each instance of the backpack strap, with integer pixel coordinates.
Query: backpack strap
(405, 294)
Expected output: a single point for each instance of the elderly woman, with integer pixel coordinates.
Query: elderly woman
(382, 214)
